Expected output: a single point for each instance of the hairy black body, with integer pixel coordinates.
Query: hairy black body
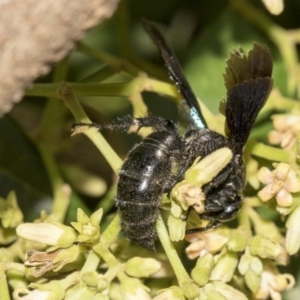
(147, 172)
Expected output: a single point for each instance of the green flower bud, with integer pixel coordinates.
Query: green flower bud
(88, 228)
(10, 214)
(204, 171)
(228, 291)
(202, 271)
(209, 292)
(5, 255)
(53, 234)
(249, 262)
(293, 232)
(176, 210)
(252, 280)
(238, 239)
(52, 290)
(142, 267)
(94, 280)
(80, 292)
(176, 228)
(132, 288)
(190, 289)
(173, 292)
(225, 267)
(264, 247)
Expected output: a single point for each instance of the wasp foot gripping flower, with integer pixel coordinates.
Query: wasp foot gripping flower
(280, 183)
(207, 242)
(272, 283)
(286, 128)
(53, 234)
(88, 228)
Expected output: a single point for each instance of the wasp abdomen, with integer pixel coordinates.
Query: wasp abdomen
(144, 177)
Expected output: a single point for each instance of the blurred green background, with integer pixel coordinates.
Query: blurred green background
(201, 33)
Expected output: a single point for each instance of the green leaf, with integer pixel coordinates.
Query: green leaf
(22, 169)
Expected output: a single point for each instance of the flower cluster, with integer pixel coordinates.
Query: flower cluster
(286, 128)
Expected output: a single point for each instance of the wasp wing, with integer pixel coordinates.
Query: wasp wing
(248, 82)
(177, 76)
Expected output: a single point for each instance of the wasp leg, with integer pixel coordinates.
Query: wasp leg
(123, 124)
(211, 225)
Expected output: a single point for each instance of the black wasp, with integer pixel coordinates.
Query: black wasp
(147, 172)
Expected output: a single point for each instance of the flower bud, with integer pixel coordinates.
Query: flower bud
(88, 228)
(209, 292)
(94, 280)
(264, 247)
(176, 228)
(10, 214)
(293, 232)
(238, 239)
(202, 271)
(252, 280)
(53, 290)
(142, 267)
(228, 291)
(173, 292)
(53, 234)
(132, 289)
(204, 171)
(225, 267)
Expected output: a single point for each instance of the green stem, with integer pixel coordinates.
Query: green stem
(107, 237)
(105, 89)
(111, 232)
(46, 138)
(67, 95)
(91, 263)
(270, 153)
(278, 102)
(189, 288)
(100, 75)
(4, 292)
(116, 63)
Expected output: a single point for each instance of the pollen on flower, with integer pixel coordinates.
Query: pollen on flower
(286, 129)
(280, 183)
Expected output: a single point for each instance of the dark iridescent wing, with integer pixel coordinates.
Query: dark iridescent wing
(248, 82)
(177, 76)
